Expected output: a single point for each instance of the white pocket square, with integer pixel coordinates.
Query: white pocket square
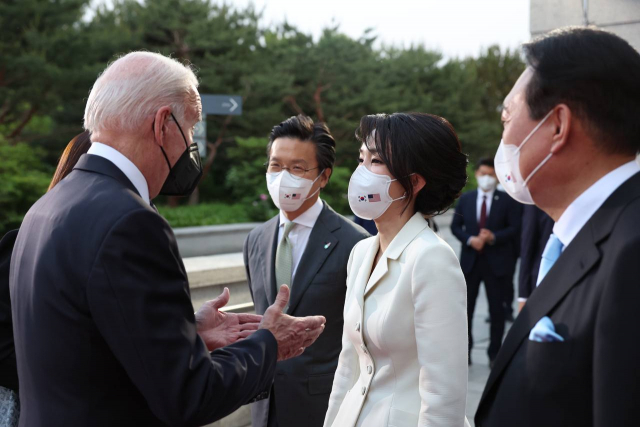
(544, 331)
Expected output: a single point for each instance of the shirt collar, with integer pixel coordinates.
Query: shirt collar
(308, 217)
(127, 167)
(587, 203)
(489, 194)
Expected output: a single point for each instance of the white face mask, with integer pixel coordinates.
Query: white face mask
(369, 193)
(507, 165)
(287, 192)
(487, 182)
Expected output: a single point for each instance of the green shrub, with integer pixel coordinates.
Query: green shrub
(205, 214)
(24, 178)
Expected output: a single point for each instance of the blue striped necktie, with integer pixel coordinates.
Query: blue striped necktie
(551, 253)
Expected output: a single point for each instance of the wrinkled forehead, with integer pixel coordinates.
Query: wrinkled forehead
(194, 103)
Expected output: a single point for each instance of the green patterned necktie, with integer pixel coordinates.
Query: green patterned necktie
(284, 260)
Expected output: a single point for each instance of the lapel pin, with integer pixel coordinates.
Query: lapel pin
(326, 245)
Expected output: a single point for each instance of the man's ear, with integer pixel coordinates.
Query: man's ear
(160, 120)
(418, 183)
(561, 119)
(325, 177)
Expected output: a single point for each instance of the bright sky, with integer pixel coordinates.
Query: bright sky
(454, 27)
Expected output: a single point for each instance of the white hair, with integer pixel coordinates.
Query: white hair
(134, 87)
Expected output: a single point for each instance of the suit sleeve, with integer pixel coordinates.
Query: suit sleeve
(348, 368)
(616, 348)
(511, 232)
(139, 299)
(457, 222)
(440, 316)
(528, 243)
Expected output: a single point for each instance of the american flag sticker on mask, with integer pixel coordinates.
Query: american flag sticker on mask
(369, 198)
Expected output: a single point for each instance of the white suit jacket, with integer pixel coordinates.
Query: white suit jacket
(404, 344)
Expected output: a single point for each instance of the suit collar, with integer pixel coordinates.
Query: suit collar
(127, 167)
(98, 164)
(322, 242)
(406, 235)
(586, 204)
(271, 240)
(574, 263)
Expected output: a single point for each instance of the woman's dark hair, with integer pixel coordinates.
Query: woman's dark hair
(78, 146)
(595, 73)
(303, 128)
(423, 144)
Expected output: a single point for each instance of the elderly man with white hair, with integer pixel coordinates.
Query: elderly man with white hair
(105, 332)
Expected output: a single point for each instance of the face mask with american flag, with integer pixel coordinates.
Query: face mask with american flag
(289, 193)
(369, 193)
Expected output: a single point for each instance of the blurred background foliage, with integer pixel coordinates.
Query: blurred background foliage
(52, 51)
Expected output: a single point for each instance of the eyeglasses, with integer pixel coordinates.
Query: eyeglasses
(297, 171)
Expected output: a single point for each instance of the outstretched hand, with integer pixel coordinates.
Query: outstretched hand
(218, 329)
(293, 334)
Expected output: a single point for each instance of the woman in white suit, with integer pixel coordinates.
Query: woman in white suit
(404, 345)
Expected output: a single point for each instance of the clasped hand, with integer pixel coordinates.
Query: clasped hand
(485, 237)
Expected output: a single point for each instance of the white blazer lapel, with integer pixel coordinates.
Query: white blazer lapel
(411, 229)
(364, 272)
(378, 273)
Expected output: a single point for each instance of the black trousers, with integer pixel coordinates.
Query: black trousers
(508, 294)
(494, 286)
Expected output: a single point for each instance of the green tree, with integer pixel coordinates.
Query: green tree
(23, 179)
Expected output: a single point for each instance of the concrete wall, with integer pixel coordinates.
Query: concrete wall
(621, 17)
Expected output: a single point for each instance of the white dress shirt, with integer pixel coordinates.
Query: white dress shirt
(127, 167)
(300, 232)
(587, 203)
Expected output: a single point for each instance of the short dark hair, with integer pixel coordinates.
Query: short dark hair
(485, 161)
(303, 128)
(594, 72)
(423, 144)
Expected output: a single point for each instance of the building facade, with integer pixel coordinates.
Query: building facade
(621, 17)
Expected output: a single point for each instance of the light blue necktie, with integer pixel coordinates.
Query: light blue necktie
(551, 253)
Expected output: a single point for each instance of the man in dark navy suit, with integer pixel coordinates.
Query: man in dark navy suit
(570, 139)
(105, 333)
(487, 222)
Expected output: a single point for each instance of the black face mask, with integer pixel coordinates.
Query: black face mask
(185, 175)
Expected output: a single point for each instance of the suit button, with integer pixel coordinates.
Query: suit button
(369, 369)
(357, 326)
(364, 390)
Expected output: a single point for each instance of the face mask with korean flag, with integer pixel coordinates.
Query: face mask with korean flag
(369, 193)
(288, 192)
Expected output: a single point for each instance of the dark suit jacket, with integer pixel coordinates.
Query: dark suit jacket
(302, 385)
(591, 294)
(537, 226)
(8, 367)
(503, 220)
(104, 327)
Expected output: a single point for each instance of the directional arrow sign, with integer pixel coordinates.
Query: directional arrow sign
(222, 105)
